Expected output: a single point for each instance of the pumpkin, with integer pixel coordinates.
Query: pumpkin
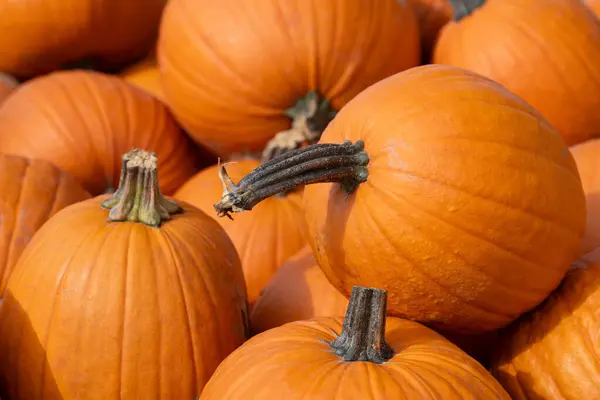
(594, 5)
(298, 291)
(39, 36)
(135, 296)
(235, 75)
(432, 16)
(146, 76)
(553, 352)
(33, 191)
(7, 85)
(441, 187)
(365, 356)
(546, 52)
(82, 121)
(264, 239)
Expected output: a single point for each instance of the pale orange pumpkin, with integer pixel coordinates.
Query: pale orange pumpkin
(83, 121)
(298, 291)
(146, 76)
(265, 238)
(129, 296)
(232, 71)
(7, 85)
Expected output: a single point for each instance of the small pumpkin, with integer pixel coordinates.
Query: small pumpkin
(432, 16)
(135, 296)
(33, 191)
(365, 356)
(553, 352)
(236, 76)
(7, 85)
(441, 187)
(298, 291)
(83, 121)
(546, 52)
(146, 76)
(264, 239)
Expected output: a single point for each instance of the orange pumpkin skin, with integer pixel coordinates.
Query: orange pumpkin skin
(146, 76)
(33, 191)
(149, 312)
(265, 238)
(298, 291)
(546, 352)
(232, 100)
(83, 121)
(432, 16)
(40, 35)
(7, 85)
(451, 249)
(593, 5)
(513, 43)
(294, 361)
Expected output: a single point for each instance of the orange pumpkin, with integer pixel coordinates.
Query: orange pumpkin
(83, 121)
(7, 85)
(368, 357)
(432, 16)
(441, 187)
(146, 76)
(546, 52)
(129, 296)
(33, 191)
(298, 291)
(232, 74)
(594, 5)
(553, 352)
(39, 36)
(264, 239)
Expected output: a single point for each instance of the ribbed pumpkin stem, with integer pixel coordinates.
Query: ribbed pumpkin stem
(363, 332)
(310, 116)
(344, 163)
(464, 8)
(138, 197)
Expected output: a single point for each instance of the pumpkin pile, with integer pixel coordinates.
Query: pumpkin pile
(299, 199)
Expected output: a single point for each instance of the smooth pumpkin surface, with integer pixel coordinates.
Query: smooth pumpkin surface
(39, 36)
(298, 291)
(230, 71)
(472, 210)
(432, 16)
(554, 353)
(594, 5)
(146, 76)
(546, 52)
(33, 191)
(7, 85)
(83, 122)
(265, 238)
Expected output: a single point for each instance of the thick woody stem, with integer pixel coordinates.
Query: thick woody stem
(344, 163)
(310, 116)
(363, 332)
(464, 8)
(138, 197)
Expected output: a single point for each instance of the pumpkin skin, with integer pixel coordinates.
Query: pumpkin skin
(33, 191)
(7, 85)
(83, 121)
(39, 36)
(432, 16)
(593, 5)
(452, 250)
(529, 47)
(265, 238)
(298, 291)
(149, 312)
(553, 352)
(146, 76)
(209, 60)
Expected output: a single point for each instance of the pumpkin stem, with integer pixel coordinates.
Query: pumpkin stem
(310, 116)
(363, 332)
(138, 197)
(344, 163)
(464, 8)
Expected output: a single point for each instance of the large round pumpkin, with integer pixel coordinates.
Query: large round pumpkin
(146, 76)
(553, 353)
(446, 190)
(265, 238)
(130, 296)
(84, 121)
(7, 85)
(38, 36)
(368, 357)
(546, 52)
(230, 70)
(32, 192)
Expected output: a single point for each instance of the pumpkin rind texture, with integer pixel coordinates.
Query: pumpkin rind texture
(274, 231)
(33, 191)
(546, 52)
(294, 361)
(241, 66)
(472, 210)
(83, 122)
(554, 352)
